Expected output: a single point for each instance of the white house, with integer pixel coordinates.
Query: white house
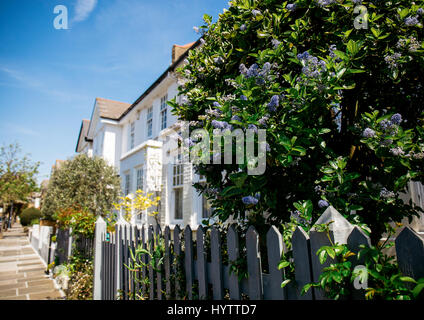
(134, 138)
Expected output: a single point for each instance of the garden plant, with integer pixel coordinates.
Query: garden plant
(338, 87)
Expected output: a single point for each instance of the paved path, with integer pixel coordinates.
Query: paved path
(22, 274)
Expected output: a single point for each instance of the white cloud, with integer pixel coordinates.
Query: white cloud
(83, 9)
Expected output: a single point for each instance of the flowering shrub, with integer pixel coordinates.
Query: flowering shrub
(81, 283)
(138, 204)
(342, 107)
(81, 221)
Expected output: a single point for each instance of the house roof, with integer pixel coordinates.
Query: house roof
(178, 50)
(172, 67)
(111, 109)
(82, 134)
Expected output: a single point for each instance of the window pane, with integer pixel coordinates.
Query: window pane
(178, 214)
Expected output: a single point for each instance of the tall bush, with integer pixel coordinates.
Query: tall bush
(342, 107)
(29, 215)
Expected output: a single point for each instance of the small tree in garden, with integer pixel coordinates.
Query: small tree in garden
(82, 182)
(17, 178)
(138, 204)
(340, 98)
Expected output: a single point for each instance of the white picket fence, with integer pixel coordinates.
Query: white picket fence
(213, 280)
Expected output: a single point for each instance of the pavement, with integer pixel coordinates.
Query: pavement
(22, 274)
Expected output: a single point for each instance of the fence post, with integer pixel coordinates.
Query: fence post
(340, 229)
(254, 267)
(119, 252)
(410, 253)
(275, 248)
(302, 263)
(216, 265)
(233, 256)
(202, 272)
(99, 233)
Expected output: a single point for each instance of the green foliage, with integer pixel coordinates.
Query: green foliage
(81, 282)
(29, 216)
(17, 175)
(379, 271)
(322, 111)
(82, 182)
(154, 258)
(82, 221)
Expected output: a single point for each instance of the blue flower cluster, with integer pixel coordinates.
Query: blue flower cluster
(312, 67)
(386, 194)
(291, 6)
(249, 200)
(392, 60)
(323, 204)
(256, 12)
(263, 121)
(397, 151)
(368, 133)
(220, 124)
(331, 50)
(218, 60)
(411, 21)
(410, 44)
(236, 118)
(255, 72)
(390, 126)
(274, 103)
(242, 27)
(214, 113)
(253, 127)
(324, 3)
(396, 118)
(275, 43)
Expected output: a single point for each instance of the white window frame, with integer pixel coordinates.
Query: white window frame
(132, 135)
(177, 181)
(139, 178)
(163, 112)
(149, 122)
(127, 183)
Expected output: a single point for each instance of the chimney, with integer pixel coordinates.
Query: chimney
(178, 51)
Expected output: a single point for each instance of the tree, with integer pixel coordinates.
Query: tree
(17, 178)
(82, 183)
(341, 103)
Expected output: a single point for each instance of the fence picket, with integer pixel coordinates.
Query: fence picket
(159, 273)
(144, 260)
(302, 261)
(189, 271)
(410, 253)
(233, 255)
(318, 240)
(216, 265)
(167, 262)
(151, 271)
(177, 265)
(356, 238)
(254, 267)
(275, 246)
(201, 263)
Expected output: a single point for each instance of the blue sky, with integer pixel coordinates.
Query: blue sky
(113, 49)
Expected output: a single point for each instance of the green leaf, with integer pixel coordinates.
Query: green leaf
(285, 282)
(283, 264)
(407, 279)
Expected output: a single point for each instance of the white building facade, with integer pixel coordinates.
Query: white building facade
(139, 140)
